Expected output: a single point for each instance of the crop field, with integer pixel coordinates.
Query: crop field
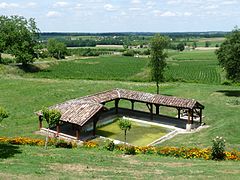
(189, 66)
(103, 68)
(194, 71)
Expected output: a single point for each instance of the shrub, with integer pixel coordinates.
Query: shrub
(63, 144)
(110, 145)
(130, 150)
(218, 149)
(3, 114)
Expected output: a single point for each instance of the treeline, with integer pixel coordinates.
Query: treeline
(210, 34)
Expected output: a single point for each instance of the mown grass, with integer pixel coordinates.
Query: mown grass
(37, 163)
(23, 97)
(139, 135)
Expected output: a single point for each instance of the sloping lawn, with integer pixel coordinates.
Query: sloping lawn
(141, 134)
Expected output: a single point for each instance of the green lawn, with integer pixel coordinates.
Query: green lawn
(29, 162)
(139, 135)
(23, 97)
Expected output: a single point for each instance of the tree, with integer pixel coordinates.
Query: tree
(229, 55)
(56, 49)
(207, 44)
(180, 47)
(158, 58)
(18, 36)
(3, 114)
(52, 116)
(125, 125)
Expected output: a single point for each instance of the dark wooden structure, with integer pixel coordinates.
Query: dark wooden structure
(80, 111)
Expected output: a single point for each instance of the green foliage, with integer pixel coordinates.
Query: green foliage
(3, 114)
(129, 52)
(218, 148)
(130, 150)
(180, 46)
(18, 36)
(52, 116)
(229, 55)
(56, 49)
(109, 145)
(63, 144)
(158, 58)
(207, 44)
(124, 125)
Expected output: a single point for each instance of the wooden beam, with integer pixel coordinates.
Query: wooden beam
(189, 114)
(132, 104)
(200, 116)
(179, 113)
(58, 129)
(157, 109)
(94, 127)
(116, 105)
(151, 111)
(40, 118)
(78, 131)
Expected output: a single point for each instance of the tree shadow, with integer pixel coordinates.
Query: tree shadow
(8, 150)
(30, 68)
(231, 93)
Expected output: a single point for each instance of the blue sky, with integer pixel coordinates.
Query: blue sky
(127, 15)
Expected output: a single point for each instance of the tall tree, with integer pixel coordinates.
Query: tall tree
(229, 55)
(19, 36)
(158, 58)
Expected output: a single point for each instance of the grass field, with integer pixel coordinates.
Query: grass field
(139, 135)
(23, 97)
(28, 162)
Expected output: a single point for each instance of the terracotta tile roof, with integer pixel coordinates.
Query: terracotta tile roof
(79, 111)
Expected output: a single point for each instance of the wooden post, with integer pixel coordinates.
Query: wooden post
(189, 116)
(157, 109)
(179, 114)
(58, 129)
(200, 116)
(40, 118)
(151, 111)
(94, 126)
(116, 105)
(78, 129)
(132, 105)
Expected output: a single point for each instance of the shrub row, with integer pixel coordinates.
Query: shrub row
(186, 153)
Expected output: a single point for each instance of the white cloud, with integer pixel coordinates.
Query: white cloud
(61, 4)
(164, 14)
(5, 5)
(31, 4)
(135, 9)
(136, 1)
(187, 14)
(109, 7)
(53, 14)
(229, 2)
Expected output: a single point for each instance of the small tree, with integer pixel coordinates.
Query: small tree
(52, 117)
(158, 58)
(125, 125)
(180, 47)
(3, 114)
(56, 49)
(218, 148)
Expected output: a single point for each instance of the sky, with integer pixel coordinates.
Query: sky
(127, 15)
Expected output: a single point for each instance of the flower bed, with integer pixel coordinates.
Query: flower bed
(186, 153)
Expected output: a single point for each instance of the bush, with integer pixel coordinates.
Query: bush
(110, 145)
(128, 53)
(3, 113)
(63, 144)
(218, 149)
(130, 150)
